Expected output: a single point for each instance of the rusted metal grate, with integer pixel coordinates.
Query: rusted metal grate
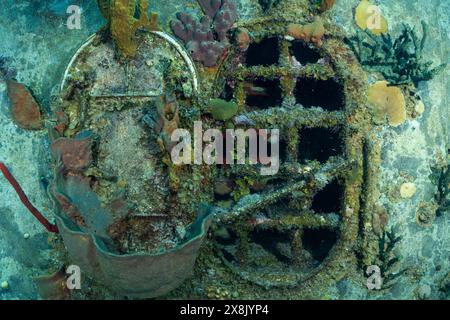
(289, 204)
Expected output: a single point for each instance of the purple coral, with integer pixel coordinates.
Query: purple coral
(207, 40)
(210, 7)
(225, 19)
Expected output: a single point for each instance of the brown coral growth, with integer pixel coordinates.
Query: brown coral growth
(327, 5)
(76, 155)
(123, 24)
(24, 108)
(166, 121)
(367, 18)
(388, 101)
(312, 32)
(53, 287)
(242, 39)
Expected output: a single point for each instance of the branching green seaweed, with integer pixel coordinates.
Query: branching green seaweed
(388, 259)
(400, 60)
(268, 4)
(441, 178)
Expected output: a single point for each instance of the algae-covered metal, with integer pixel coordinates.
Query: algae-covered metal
(125, 206)
(117, 214)
(139, 275)
(311, 89)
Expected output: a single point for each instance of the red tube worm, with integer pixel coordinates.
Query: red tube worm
(35, 212)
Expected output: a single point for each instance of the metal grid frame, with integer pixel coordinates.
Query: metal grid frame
(305, 180)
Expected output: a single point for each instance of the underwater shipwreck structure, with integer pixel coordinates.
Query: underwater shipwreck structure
(307, 85)
(136, 223)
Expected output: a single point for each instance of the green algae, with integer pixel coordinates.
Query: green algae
(399, 60)
(222, 110)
